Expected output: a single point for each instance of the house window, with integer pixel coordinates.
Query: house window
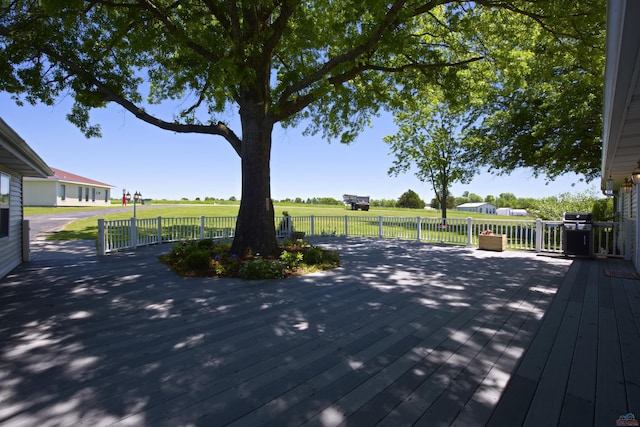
(106, 195)
(79, 194)
(86, 194)
(63, 192)
(5, 190)
(93, 194)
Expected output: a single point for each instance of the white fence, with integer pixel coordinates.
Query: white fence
(609, 238)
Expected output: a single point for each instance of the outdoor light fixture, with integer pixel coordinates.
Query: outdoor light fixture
(626, 186)
(635, 175)
(608, 189)
(136, 196)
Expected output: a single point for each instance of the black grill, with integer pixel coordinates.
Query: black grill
(577, 234)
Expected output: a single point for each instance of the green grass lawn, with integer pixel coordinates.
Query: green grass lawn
(88, 228)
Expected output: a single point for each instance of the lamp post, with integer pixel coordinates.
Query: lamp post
(136, 196)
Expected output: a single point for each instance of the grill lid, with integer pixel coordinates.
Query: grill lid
(578, 217)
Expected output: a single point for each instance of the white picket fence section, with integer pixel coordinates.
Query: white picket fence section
(609, 238)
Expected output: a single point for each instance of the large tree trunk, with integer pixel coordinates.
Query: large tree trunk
(255, 229)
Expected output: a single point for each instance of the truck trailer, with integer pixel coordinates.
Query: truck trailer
(356, 202)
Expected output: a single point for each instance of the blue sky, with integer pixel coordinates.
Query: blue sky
(161, 164)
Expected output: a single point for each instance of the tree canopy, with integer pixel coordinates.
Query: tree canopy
(544, 109)
(410, 199)
(332, 64)
(432, 146)
(535, 100)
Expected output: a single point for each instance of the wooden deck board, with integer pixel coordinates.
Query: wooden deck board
(548, 400)
(514, 404)
(629, 343)
(433, 336)
(578, 406)
(611, 399)
(632, 374)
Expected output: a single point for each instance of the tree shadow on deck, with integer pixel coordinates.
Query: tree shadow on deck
(403, 332)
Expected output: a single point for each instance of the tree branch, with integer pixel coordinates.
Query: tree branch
(388, 23)
(278, 28)
(291, 107)
(173, 29)
(219, 128)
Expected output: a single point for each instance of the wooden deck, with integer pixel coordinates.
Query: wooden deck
(403, 334)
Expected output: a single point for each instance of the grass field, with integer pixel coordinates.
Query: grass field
(88, 228)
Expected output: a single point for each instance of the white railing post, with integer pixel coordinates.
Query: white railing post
(159, 229)
(202, 227)
(133, 233)
(313, 225)
(101, 248)
(380, 226)
(469, 231)
(628, 240)
(539, 235)
(419, 225)
(346, 226)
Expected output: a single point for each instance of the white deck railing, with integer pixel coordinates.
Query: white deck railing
(609, 238)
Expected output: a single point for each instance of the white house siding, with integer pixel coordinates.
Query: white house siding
(38, 192)
(11, 246)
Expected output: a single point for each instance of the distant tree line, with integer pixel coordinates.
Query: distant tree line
(547, 208)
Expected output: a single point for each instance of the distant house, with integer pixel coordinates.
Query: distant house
(480, 207)
(17, 160)
(512, 212)
(66, 189)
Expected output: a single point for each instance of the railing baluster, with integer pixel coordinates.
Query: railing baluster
(609, 238)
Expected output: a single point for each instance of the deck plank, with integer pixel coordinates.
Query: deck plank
(611, 399)
(429, 335)
(578, 407)
(629, 343)
(547, 403)
(514, 404)
(632, 376)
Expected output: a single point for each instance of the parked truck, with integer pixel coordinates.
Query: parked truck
(356, 202)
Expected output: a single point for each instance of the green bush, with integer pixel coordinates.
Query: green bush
(291, 260)
(331, 257)
(214, 259)
(314, 256)
(182, 249)
(206, 244)
(197, 260)
(259, 268)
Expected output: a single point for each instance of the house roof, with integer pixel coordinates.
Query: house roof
(621, 114)
(16, 155)
(64, 176)
(473, 205)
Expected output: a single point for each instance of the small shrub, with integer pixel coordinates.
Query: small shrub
(291, 260)
(182, 249)
(314, 256)
(260, 268)
(206, 244)
(211, 258)
(225, 264)
(197, 260)
(331, 257)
